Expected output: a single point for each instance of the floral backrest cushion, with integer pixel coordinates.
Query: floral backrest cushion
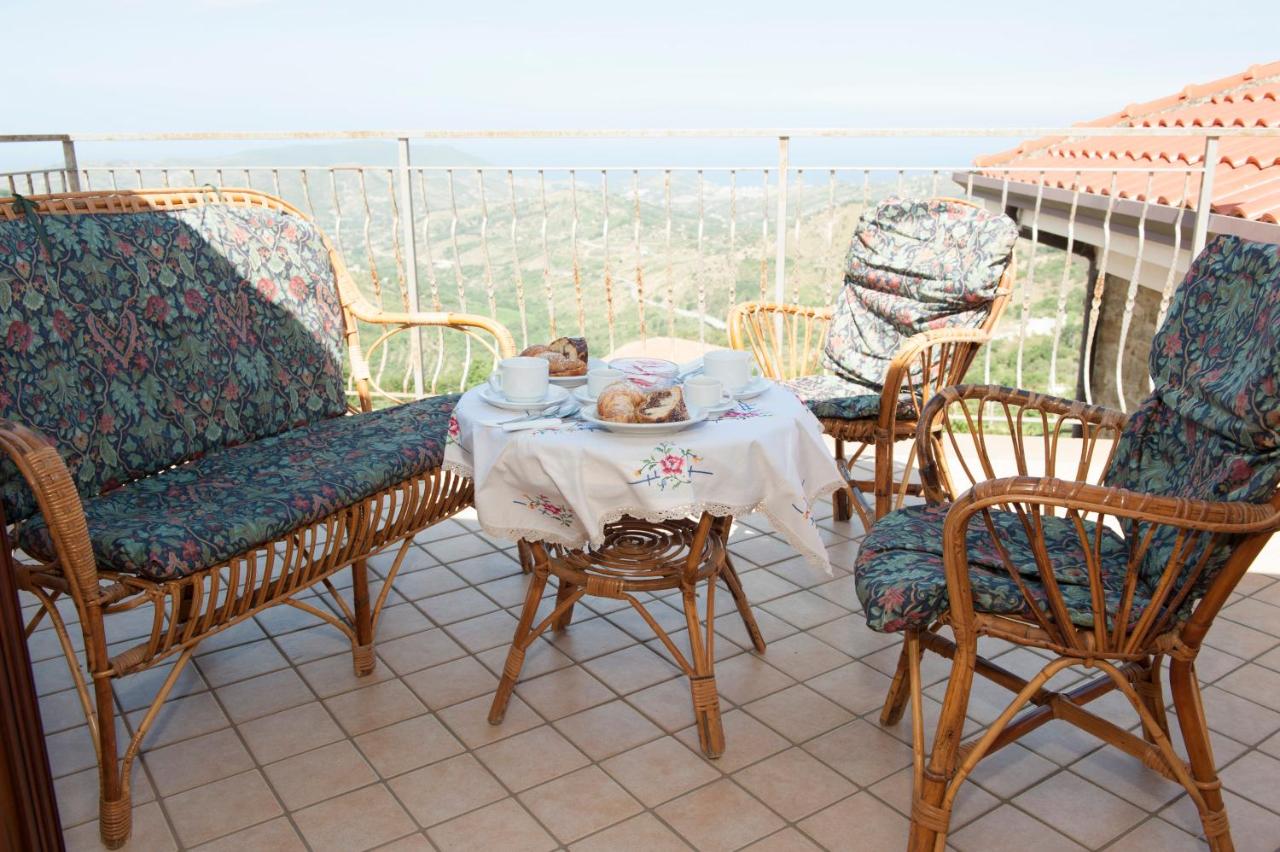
(1211, 428)
(914, 265)
(138, 340)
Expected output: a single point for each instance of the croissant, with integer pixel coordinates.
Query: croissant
(664, 406)
(620, 403)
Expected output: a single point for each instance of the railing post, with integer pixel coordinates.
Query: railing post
(780, 250)
(71, 169)
(1205, 202)
(409, 241)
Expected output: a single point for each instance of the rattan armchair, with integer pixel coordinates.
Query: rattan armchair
(789, 342)
(68, 554)
(1112, 552)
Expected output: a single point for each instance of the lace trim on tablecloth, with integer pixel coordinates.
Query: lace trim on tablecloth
(718, 510)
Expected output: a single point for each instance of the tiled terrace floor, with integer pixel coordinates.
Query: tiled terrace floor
(270, 742)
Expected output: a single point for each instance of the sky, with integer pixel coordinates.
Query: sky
(153, 65)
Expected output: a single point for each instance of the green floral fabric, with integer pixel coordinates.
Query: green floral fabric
(205, 511)
(900, 580)
(834, 397)
(1211, 428)
(136, 341)
(912, 266)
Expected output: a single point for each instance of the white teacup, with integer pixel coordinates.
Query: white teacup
(522, 379)
(732, 367)
(703, 391)
(600, 378)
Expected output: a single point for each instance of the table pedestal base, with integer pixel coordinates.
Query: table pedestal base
(640, 556)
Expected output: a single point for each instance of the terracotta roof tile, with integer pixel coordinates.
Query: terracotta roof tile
(1247, 175)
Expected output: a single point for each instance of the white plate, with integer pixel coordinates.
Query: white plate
(582, 395)
(589, 414)
(578, 381)
(555, 396)
(755, 387)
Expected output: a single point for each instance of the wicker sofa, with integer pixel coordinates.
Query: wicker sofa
(175, 438)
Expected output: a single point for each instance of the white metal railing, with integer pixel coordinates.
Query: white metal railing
(631, 252)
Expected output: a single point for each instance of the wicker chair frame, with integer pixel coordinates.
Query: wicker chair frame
(1128, 650)
(788, 340)
(189, 610)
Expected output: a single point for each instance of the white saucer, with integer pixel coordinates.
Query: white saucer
(726, 402)
(753, 388)
(583, 395)
(555, 396)
(695, 417)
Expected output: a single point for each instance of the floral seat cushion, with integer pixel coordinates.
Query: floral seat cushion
(833, 397)
(913, 266)
(901, 583)
(205, 511)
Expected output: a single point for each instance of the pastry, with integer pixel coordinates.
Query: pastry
(664, 406)
(570, 347)
(620, 403)
(566, 356)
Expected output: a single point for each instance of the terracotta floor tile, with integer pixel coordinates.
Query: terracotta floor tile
(1256, 776)
(503, 825)
(660, 770)
(787, 840)
(1245, 720)
(180, 719)
(407, 745)
(858, 822)
(861, 751)
(762, 586)
(264, 695)
(1006, 829)
(240, 662)
(561, 806)
(563, 692)
(277, 835)
(356, 821)
(720, 816)
(290, 732)
(851, 635)
(856, 687)
(1155, 833)
(1126, 776)
(374, 706)
(400, 620)
(222, 807)
(607, 729)
(803, 657)
(1063, 798)
(196, 761)
(150, 833)
(456, 606)
(313, 643)
(445, 685)
(313, 776)
(971, 800)
(429, 581)
(1252, 827)
(643, 832)
(747, 677)
(793, 784)
(531, 758)
(446, 789)
(540, 658)
(745, 741)
(419, 650)
(1011, 770)
(798, 713)
(139, 690)
(669, 704)
(469, 720)
(484, 631)
(77, 794)
(485, 567)
(335, 675)
(631, 669)
(804, 609)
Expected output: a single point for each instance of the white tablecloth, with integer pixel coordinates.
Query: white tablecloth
(564, 485)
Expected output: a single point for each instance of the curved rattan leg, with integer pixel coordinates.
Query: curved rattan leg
(930, 815)
(1195, 734)
(526, 556)
(564, 591)
(734, 584)
(842, 500)
(702, 683)
(115, 803)
(519, 642)
(362, 656)
(884, 475)
(895, 702)
(1151, 691)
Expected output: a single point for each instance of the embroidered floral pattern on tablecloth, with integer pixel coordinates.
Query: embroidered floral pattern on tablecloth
(451, 437)
(669, 466)
(543, 506)
(743, 410)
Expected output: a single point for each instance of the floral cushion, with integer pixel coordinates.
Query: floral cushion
(224, 503)
(913, 265)
(140, 340)
(1211, 428)
(833, 397)
(901, 582)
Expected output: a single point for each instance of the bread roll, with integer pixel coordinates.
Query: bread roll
(620, 403)
(535, 350)
(664, 406)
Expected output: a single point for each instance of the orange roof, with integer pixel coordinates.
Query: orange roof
(1246, 183)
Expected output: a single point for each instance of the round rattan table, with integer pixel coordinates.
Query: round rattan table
(640, 556)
